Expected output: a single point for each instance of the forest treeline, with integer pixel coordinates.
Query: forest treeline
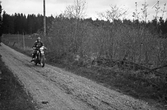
(19, 23)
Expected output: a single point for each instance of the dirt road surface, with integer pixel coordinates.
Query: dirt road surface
(55, 89)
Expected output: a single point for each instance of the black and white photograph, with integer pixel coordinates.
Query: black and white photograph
(83, 54)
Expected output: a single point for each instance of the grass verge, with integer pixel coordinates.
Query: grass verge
(12, 94)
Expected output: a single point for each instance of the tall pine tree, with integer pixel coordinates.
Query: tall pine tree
(0, 21)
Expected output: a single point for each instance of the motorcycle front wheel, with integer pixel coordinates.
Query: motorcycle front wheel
(42, 62)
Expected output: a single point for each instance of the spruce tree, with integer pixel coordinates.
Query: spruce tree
(0, 21)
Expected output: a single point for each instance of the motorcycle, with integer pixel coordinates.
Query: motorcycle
(40, 56)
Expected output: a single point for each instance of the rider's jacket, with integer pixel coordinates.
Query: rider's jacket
(38, 44)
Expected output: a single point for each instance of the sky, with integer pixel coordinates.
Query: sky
(93, 7)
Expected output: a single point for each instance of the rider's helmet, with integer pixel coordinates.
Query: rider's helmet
(38, 39)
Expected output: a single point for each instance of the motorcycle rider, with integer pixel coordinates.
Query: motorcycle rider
(37, 45)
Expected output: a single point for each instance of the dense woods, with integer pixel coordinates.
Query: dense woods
(0, 22)
(135, 41)
(20, 23)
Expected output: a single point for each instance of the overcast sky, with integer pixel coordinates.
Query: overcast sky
(93, 7)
